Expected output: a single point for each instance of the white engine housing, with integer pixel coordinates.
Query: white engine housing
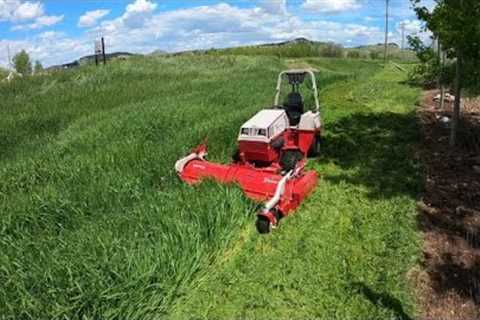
(310, 121)
(268, 124)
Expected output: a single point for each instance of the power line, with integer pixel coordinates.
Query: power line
(386, 32)
(402, 25)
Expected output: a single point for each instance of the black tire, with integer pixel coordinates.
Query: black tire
(264, 226)
(236, 155)
(314, 150)
(289, 159)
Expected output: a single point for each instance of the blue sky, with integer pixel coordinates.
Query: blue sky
(56, 31)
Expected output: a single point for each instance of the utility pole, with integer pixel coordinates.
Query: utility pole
(402, 49)
(8, 56)
(386, 32)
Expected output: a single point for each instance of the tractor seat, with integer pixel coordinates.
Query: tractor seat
(294, 107)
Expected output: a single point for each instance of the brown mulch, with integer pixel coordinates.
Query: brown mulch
(449, 214)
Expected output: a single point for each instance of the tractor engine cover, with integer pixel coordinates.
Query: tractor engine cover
(259, 139)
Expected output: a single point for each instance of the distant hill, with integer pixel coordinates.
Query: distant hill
(300, 40)
(377, 50)
(158, 52)
(378, 45)
(90, 59)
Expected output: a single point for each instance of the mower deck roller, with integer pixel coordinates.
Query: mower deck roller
(271, 157)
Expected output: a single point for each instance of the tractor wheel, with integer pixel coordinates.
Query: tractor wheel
(263, 225)
(289, 159)
(315, 147)
(236, 155)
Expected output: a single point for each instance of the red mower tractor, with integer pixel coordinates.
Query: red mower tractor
(272, 150)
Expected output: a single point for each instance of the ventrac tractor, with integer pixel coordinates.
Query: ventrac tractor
(273, 146)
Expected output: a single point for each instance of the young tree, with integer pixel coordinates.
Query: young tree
(455, 22)
(38, 67)
(331, 50)
(22, 63)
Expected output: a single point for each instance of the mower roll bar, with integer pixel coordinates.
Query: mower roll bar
(301, 72)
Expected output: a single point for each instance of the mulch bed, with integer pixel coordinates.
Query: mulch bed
(449, 213)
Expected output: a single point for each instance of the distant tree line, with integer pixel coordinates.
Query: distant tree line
(312, 49)
(455, 25)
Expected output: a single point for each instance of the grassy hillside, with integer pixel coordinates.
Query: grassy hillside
(95, 224)
(319, 49)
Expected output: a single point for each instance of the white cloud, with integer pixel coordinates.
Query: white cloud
(31, 14)
(6, 9)
(90, 18)
(274, 6)
(15, 10)
(411, 26)
(224, 25)
(40, 22)
(28, 11)
(141, 6)
(331, 6)
(49, 47)
(414, 28)
(137, 12)
(50, 35)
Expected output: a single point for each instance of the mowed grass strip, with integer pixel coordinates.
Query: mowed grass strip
(347, 252)
(95, 223)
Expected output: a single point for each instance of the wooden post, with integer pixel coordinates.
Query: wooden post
(103, 52)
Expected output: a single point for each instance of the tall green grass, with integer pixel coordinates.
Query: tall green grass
(347, 252)
(95, 223)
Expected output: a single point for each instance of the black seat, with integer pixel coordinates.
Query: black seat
(294, 107)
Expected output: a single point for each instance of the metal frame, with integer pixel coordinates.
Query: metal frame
(310, 72)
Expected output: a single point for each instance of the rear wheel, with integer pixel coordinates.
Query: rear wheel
(314, 150)
(236, 155)
(263, 225)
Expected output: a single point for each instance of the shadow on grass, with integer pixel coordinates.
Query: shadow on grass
(382, 300)
(377, 149)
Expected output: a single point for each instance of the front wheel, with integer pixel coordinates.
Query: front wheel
(289, 159)
(263, 225)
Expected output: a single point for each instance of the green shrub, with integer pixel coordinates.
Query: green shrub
(332, 50)
(353, 54)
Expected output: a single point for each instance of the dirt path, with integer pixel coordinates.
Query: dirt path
(449, 214)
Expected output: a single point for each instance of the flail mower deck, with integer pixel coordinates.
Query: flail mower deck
(272, 150)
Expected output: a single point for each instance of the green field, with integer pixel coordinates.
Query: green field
(96, 225)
